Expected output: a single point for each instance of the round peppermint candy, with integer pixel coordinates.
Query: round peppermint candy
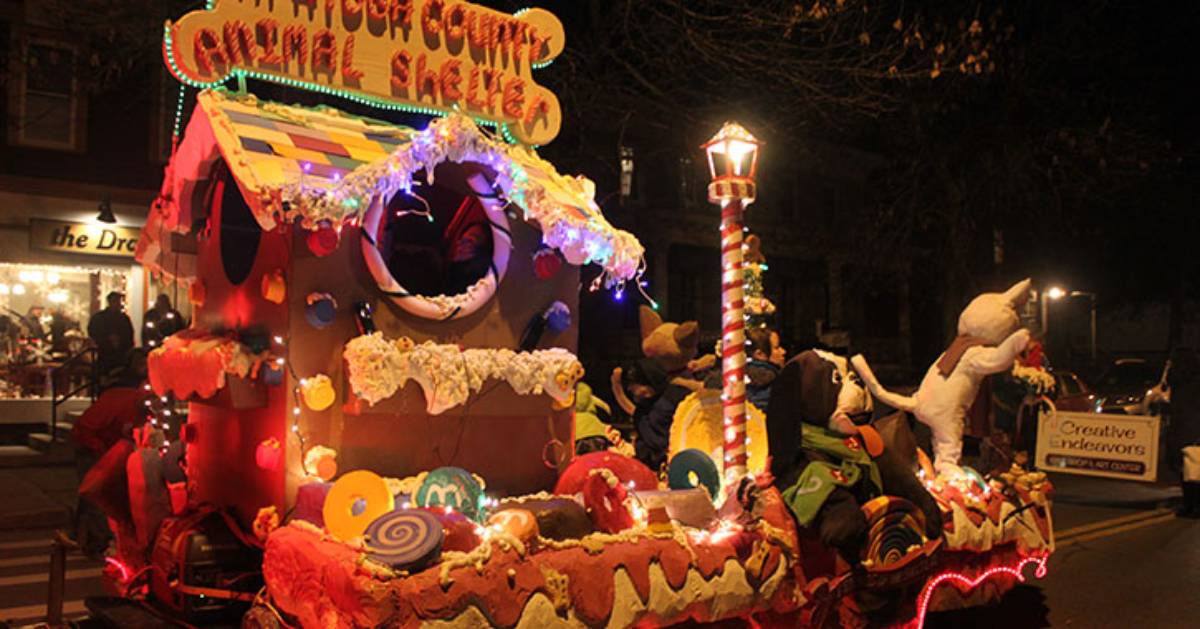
(405, 539)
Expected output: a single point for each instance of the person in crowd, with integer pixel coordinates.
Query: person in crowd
(640, 390)
(1183, 433)
(161, 321)
(112, 331)
(32, 322)
(766, 359)
(108, 420)
(60, 324)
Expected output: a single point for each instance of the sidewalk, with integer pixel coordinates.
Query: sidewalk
(37, 497)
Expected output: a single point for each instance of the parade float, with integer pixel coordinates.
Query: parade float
(380, 376)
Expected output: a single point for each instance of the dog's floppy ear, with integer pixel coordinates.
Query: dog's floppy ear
(804, 392)
(648, 321)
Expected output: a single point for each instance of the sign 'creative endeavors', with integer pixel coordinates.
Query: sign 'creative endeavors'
(1093, 444)
(423, 55)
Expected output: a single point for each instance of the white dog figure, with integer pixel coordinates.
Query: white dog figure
(988, 342)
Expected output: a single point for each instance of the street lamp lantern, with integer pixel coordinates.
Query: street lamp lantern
(732, 164)
(1056, 292)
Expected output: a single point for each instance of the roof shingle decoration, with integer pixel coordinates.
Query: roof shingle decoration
(296, 164)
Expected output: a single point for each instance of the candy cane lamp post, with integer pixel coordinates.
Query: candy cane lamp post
(732, 164)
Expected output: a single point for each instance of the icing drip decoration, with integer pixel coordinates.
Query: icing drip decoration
(193, 362)
(448, 374)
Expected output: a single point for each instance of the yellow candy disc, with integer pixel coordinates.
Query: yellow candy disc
(354, 501)
(318, 392)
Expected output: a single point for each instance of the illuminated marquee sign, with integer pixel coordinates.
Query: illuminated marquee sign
(428, 56)
(68, 237)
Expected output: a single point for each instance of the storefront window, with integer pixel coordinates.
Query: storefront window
(44, 312)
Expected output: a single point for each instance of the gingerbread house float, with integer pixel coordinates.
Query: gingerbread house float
(380, 373)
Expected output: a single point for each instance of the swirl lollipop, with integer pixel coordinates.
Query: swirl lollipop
(405, 539)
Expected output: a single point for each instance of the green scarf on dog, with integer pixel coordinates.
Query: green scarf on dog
(819, 479)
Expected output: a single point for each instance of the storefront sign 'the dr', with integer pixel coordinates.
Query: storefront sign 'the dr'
(434, 55)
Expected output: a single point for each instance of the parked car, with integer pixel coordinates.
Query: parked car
(1134, 386)
(1073, 393)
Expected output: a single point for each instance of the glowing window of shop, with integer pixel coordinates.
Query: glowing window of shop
(440, 251)
(44, 313)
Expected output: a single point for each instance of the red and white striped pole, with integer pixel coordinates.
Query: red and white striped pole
(733, 340)
(733, 164)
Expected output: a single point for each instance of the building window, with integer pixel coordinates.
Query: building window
(49, 110)
(627, 168)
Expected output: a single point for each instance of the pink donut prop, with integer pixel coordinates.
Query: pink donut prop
(626, 469)
(477, 295)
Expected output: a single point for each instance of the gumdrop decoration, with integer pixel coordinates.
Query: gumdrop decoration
(546, 262)
(321, 462)
(318, 392)
(323, 240)
(556, 318)
(321, 310)
(268, 455)
(274, 288)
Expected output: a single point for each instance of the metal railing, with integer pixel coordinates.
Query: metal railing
(87, 357)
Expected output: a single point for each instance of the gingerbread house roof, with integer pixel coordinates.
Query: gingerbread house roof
(309, 165)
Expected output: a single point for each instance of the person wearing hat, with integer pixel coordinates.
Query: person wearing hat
(112, 331)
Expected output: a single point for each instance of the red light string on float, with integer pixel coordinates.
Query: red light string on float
(970, 583)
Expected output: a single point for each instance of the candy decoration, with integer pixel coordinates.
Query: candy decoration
(405, 539)
(519, 523)
(733, 352)
(657, 520)
(354, 502)
(459, 533)
(323, 240)
(318, 392)
(274, 287)
(694, 468)
(451, 487)
(268, 455)
(321, 310)
(558, 518)
(321, 462)
(605, 503)
(558, 317)
(630, 471)
(893, 526)
(546, 263)
(690, 507)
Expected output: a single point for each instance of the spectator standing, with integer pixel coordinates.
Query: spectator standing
(1183, 435)
(161, 321)
(112, 331)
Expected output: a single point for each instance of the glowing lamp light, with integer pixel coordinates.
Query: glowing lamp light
(1056, 292)
(732, 164)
